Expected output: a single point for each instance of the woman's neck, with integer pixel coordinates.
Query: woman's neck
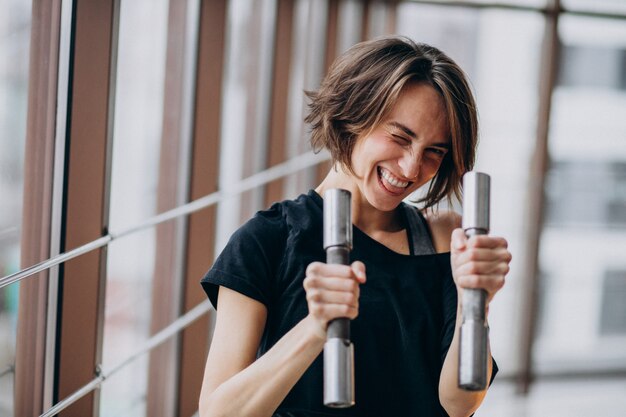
(366, 217)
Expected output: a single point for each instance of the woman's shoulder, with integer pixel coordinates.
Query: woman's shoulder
(299, 213)
(441, 224)
(282, 218)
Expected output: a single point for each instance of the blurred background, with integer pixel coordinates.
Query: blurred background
(114, 111)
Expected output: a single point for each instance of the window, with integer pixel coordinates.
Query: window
(14, 53)
(135, 165)
(584, 234)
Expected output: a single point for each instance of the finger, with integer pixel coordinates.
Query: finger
(329, 270)
(485, 241)
(328, 312)
(358, 268)
(458, 240)
(490, 283)
(333, 297)
(483, 254)
(331, 283)
(483, 268)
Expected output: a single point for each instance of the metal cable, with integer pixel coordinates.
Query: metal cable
(55, 260)
(175, 327)
(281, 170)
(8, 370)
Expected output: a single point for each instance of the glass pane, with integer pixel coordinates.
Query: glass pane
(602, 6)
(136, 148)
(244, 125)
(15, 21)
(500, 52)
(583, 243)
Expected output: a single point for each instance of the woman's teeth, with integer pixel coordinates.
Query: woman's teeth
(392, 180)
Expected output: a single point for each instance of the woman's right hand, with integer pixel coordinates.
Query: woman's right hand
(332, 291)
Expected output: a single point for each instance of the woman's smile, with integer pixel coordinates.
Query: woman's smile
(391, 183)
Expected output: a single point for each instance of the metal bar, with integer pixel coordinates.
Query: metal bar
(58, 186)
(86, 197)
(35, 227)
(8, 370)
(278, 171)
(77, 395)
(56, 260)
(535, 199)
(171, 330)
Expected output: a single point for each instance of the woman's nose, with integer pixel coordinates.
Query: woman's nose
(410, 164)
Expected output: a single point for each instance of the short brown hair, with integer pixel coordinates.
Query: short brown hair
(363, 85)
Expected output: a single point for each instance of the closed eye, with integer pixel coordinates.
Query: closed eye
(401, 139)
(438, 151)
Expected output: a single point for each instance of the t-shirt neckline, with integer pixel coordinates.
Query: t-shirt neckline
(319, 201)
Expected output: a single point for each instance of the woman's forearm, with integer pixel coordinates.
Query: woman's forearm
(260, 388)
(458, 402)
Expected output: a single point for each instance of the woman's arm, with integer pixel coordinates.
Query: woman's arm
(237, 385)
(479, 262)
(455, 401)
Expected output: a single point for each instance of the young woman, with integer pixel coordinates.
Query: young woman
(395, 116)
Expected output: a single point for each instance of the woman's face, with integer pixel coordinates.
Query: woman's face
(405, 151)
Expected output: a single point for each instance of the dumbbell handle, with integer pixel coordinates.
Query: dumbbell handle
(338, 350)
(474, 330)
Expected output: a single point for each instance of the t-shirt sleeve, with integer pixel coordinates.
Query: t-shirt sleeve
(249, 262)
(449, 317)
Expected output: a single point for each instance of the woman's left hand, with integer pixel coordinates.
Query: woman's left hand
(480, 261)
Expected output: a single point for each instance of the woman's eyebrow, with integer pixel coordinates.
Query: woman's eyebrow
(403, 128)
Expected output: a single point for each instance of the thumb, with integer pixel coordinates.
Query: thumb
(358, 268)
(458, 241)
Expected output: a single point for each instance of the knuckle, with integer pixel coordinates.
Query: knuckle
(316, 310)
(308, 282)
(314, 295)
(313, 268)
(350, 298)
(311, 282)
(473, 280)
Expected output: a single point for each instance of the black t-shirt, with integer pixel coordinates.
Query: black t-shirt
(407, 310)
